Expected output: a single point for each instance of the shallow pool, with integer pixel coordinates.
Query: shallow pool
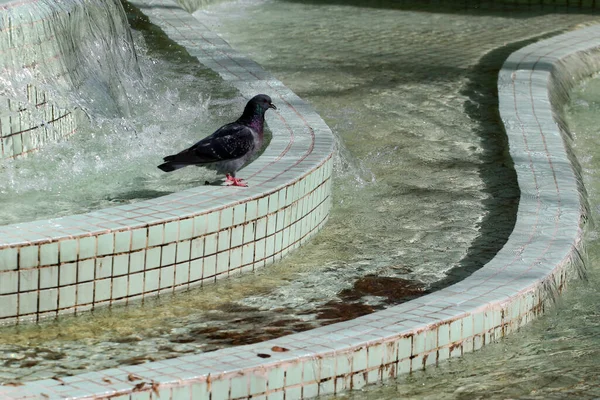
(423, 194)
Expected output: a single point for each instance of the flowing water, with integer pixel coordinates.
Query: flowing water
(424, 192)
(113, 156)
(556, 356)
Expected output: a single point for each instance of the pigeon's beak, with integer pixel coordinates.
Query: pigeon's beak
(272, 106)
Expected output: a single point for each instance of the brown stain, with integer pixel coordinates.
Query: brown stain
(393, 289)
(284, 322)
(252, 325)
(392, 371)
(138, 360)
(454, 346)
(204, 331)
(336, 311)
(249, 336)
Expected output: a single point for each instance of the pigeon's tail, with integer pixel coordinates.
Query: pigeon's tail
(171, 165)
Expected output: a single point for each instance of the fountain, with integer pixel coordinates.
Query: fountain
(291, 201)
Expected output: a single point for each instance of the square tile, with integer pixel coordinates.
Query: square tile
(467, 327)
(28, 303)
(85, 293)
(343, 364)
(212, 222)
(139, 239)
(311, 370)
(263, 206)
(443, 335)
(48, 300)
(49, 254)
(405, 347)
(249, 232)
(375, 355)
(269, 246)
(136, 284)
(293, 373)
(102, 290)
(478, 323)
(137, 261)
(28, 258)
(239, 214)
(248, 254)
(67, 296)
(258, 384)
(120, 264)
(226, 218)
(9, 305)
(260, 228)
(273, 202)
(235, 258)
(456, 330)
(167, 277)
(182, 273)
(168, 254)
(210, 244)
(239, 387)
(68, 250)
(293, 393)
(237, 234)
(271, 224)
(9, 282)
(28, 279)
(122, 241)
(151, 280)
(152, 258)
(155, 235)
(87, 247)
(186, 229)
(259, 250)
(224, 240)
(209, 266)
(200, 225)
(197, 248)
(222, 262)
(359, 359)
(251, 210)
(183, 251)
(171, 234)
(103, 267)
(49, 277)
(119, 287)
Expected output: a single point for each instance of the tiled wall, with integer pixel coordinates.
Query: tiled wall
(43, 57)
(27, 117)
(41, 278)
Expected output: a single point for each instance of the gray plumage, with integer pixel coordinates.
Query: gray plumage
(229, 147)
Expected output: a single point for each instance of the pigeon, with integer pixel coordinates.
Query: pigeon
(229, 147)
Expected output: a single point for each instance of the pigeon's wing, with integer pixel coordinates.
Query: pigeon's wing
(227, 143)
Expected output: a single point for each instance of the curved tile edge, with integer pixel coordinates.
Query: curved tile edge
(127, 253)
(514, 287)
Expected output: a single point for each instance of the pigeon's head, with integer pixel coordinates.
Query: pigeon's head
(260, 103)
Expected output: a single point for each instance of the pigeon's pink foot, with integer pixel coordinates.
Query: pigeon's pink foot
(233, 181)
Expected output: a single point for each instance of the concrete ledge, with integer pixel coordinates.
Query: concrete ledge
(506, 293)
